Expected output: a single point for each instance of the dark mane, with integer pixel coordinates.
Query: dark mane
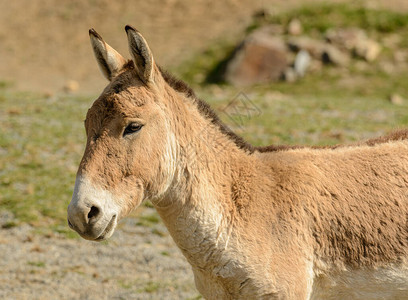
(205, 109)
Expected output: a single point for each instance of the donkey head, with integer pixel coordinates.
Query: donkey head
(130, 146)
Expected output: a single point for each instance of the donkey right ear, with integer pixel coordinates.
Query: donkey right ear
(109, 60)
(141, 54)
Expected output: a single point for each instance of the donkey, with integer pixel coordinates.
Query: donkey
(254, 223)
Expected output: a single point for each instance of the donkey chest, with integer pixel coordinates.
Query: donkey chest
(229, 281)
(231, 275)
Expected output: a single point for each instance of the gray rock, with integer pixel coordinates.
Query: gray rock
(332, 55)
(260, 58)
(367, 49)
(295, 27)
(345, 38)
(314, 47)
(302, 63)
(354, 40)
(323, 51)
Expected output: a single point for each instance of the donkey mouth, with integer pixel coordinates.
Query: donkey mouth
(89, 233)
(110, 228)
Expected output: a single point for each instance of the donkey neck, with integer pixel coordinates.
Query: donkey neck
(197, 208)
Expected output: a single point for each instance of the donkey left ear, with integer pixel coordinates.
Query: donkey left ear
(141, 54)
(109, 60)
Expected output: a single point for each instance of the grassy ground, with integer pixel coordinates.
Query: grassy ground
(311, 119)
(42, 138)
(40, 145)
(320, 17)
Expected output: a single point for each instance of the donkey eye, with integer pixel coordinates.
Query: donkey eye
(132, 128)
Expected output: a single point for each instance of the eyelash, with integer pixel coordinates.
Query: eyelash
(132, 128)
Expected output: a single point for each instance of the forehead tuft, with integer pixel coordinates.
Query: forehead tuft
(121, 97)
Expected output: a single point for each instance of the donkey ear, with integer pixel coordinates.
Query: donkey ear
(141, 54)
(109, 60)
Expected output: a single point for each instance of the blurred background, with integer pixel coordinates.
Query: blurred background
(301, 72)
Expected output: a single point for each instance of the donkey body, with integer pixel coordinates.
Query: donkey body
(254, 223)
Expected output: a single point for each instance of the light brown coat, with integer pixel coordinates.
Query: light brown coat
(254, 223)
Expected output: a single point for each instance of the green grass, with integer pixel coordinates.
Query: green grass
(9, 224)
(39, 264)
(206, 66)
(152, 218)
(322, 121)
(141, 286)
(151, 287)
(41, 143)
(125, 284)
(148, 220)
(344, 84)
(313, 119)
(322, 16)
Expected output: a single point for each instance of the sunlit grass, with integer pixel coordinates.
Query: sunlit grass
(322, 16)
(310, 119)
(41, 143)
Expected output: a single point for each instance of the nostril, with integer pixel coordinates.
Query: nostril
(93, 212)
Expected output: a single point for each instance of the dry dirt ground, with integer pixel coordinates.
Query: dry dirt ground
(138, 262)
(44, 43)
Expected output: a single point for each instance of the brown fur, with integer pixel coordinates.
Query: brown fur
(276, 222)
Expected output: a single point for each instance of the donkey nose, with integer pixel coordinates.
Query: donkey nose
(94, 214)
(83, 218)
(91, 212)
